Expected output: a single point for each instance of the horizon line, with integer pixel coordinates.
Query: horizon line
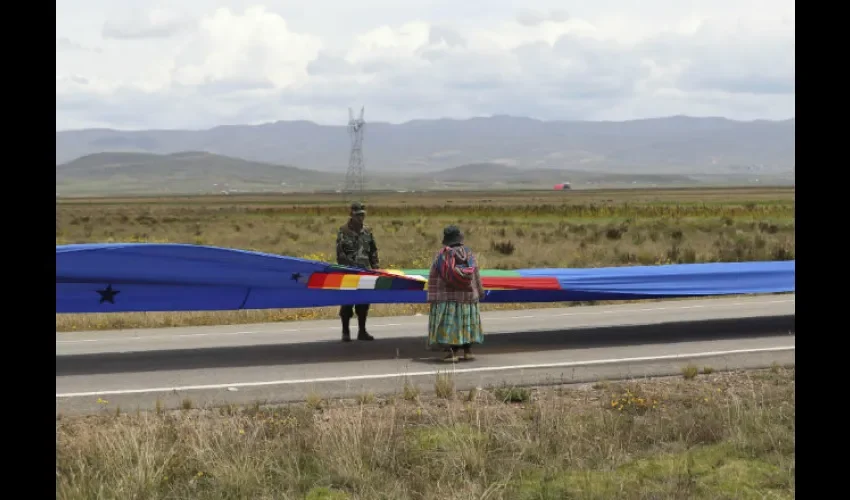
(407, 122)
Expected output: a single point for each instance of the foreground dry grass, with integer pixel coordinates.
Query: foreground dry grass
(508, 231)
(717, 436)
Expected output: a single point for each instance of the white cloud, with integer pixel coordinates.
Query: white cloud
(144, 64)
(155, 23)
(253, 45)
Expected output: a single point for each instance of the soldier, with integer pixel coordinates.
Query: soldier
(355, 246)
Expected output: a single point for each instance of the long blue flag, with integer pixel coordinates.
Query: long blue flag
(125, 277)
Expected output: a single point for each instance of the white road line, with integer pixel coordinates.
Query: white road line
(212, 334)
(566, 364)
(386, 325)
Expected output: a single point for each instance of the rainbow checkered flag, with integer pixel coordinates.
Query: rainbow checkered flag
(348, 279)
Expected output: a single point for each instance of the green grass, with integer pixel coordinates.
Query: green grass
(712, 471)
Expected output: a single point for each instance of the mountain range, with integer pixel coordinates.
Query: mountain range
(475, 151)
(649, 145)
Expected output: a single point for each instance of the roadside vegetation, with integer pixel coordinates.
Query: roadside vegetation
(701, 435)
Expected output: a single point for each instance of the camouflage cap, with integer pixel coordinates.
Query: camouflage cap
(358, 208)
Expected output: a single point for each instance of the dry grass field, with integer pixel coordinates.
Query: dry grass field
(582, 228)
(700, 436)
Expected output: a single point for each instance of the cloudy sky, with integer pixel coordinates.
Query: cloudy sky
(200, 63)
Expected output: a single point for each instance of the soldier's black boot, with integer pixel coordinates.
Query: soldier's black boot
(362, 334)
(346, 331)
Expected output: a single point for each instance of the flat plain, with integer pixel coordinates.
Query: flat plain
(507, 229)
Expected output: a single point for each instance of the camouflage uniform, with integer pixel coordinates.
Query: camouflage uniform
(355, 246)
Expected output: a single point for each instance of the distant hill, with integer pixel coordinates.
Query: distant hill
(677, 145)
(490, 173)
(204, 173)
(184, 172)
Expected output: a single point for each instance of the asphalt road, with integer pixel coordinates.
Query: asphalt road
(288, 361)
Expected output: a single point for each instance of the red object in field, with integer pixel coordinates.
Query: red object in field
(562, 187)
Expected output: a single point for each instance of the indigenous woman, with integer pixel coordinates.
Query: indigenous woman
(454, 289)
